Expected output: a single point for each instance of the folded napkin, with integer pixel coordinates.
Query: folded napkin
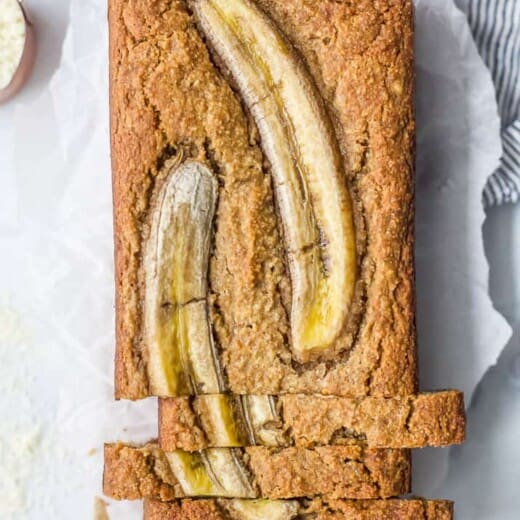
(496, 28)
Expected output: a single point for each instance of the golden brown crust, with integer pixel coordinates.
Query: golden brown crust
(318, 509)
(338, 471)
(429, 419)
(168, 97)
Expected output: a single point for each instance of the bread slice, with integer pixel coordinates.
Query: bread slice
(173, 103)
(207, 421)
(317, 509)
(257, 472)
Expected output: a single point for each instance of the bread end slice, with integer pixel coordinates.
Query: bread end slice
(318, 509)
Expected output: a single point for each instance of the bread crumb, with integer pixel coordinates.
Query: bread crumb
(100, 509)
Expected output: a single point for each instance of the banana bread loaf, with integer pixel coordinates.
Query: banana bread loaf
(262, 160)
(263, 215)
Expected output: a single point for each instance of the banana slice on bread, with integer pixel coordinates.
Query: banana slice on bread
(181, 351)
(309, 178)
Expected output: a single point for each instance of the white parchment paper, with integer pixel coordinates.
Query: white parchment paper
(56, 276)
(458, 145)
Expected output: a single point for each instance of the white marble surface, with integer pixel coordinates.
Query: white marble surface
(56, 291)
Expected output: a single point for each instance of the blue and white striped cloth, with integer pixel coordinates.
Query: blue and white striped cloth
(496, 28)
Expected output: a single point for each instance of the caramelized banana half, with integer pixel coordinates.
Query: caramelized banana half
(181, 352)
(245, 420)
(309, 178)
(213, 472)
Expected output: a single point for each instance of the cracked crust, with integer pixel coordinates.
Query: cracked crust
(168, 97)
(132, 473)
(429, 419)
(317, 509)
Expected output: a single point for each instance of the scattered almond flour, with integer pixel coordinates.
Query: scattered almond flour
(18, 449)
(20, 429)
